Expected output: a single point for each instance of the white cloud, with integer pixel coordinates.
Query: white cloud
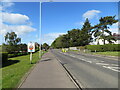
(5, 4)
(14, 18)
(18, 29)
(50, 37)
(91, 14)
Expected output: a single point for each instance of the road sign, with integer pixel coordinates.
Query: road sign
(31, 47)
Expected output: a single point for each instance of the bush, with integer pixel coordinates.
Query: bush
(81, 47)
(103, 48)
(3, 56)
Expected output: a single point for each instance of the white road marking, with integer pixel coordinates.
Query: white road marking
(102, 63)
(111, 68)
(114, 64)
(89, 61)
(116, 67)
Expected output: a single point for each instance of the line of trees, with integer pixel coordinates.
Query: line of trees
(45, 46)
(13, 44)
(85, 35)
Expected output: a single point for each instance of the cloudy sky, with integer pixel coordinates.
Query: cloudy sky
(59, 17)
(22, 18)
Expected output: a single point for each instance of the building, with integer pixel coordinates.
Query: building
(100, 41)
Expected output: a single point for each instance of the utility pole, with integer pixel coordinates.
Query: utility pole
(40, 51)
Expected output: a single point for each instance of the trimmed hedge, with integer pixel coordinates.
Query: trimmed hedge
(81, 47)
(4, 56)
(103, 48)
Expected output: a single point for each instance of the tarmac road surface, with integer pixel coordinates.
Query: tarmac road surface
(90, 71)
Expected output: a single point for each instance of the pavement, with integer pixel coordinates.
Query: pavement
(48, 73)
(91, 71)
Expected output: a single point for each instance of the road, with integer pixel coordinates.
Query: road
(90, 71)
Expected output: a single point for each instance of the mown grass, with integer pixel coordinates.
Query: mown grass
(108, 53)
(12, 74)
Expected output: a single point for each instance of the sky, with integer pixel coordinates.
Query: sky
(22, 18)
(59, 17)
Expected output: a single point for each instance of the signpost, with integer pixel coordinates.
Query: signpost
(31, 48)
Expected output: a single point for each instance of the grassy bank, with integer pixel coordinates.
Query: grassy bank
(108, 53)
(16, 69)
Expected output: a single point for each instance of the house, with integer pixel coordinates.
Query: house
(100, 41)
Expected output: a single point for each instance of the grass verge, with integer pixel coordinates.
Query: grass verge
(18, 67)
(108, 53)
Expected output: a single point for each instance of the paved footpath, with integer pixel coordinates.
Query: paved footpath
(48, 73)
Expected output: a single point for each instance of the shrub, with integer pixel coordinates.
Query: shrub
(3, 56)
(81, 47)
(103, 48)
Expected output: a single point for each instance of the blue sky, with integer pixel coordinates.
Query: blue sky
(59, 17)
(22, 18)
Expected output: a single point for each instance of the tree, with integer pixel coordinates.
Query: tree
(102, 28)
(86, 35)
(12, 41)
(11, 38)
(45, 46)
(74, 37)
(22, 47)
(110, 39)
(65, 41)
(37, 46)
(58, 42)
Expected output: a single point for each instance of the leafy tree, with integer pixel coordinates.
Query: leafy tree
(37, 46)
(65, 41)
(22, 47)
(11, 38)
(58, 42)
(74, 37)
(12, 41)
(45, 46)
(102, 28)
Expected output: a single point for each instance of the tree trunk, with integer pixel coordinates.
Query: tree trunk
(104, 41)
(98, 43)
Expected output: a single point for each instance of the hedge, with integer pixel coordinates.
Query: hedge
(3, 56)
(81, 47)
(103, 48)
